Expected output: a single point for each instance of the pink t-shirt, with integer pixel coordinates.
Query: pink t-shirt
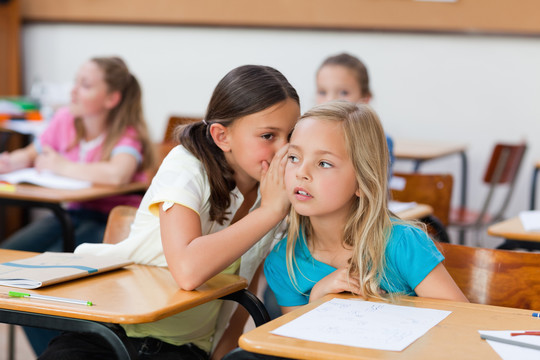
(60, 135)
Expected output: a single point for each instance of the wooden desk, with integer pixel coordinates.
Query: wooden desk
(37, 196)
(513, 229)
(133, 295)
(455, 337)
(421, 151)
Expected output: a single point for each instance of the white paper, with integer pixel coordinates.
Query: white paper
(27, 127)
(44, 178)
(397, 206)
(530, 220)
(397, 183)
(364, 324)
(512, 352)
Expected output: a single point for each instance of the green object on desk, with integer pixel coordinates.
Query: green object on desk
(26, 104)
(51, 298)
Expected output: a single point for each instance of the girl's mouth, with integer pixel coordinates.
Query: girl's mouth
(302, 194)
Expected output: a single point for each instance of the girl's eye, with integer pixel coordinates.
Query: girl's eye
(325, 164)
(344, 93)
(293, 159)
(267, 136)
(321, 92)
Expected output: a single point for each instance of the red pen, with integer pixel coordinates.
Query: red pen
(537, 333)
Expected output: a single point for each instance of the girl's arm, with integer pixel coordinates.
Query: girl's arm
(288, 309)
(439, 284)
(116, 171)
(194, 258)
(18, 159)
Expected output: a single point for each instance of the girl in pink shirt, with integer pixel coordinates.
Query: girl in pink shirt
(102, 138)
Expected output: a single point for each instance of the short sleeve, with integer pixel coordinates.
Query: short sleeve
(129, 144)
(412, 255)
(180, 180)
(275, 271)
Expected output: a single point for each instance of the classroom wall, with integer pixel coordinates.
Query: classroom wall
(443, 87)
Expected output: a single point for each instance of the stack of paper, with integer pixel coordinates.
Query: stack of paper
(530, 220)
(398, 206)
(44, 178)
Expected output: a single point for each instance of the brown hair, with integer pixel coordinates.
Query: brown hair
(354, 64)
(127, 113)
(245, 90)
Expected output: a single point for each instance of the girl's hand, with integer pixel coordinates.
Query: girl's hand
(335, 283)
(49, 159)
(5, 163)
(273, 193)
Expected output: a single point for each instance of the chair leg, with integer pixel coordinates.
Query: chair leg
(11, 342)
(461, 236)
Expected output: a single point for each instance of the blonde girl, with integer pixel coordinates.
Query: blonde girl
(342, 236)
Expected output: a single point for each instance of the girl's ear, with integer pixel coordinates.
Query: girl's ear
(365, 99)
(358, 193)
(220, 135)
(113, 99)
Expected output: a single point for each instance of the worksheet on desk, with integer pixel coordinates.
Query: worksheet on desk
(364, 324)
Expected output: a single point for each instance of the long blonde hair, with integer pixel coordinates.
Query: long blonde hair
(368, 226)
(128, 112)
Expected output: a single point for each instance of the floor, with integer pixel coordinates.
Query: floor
(23, 351)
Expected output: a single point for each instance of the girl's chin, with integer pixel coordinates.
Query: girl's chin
(74, 109)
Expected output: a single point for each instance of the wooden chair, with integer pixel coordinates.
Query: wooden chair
(118, 224)
(173, 123)
(430, 189)
(495, 277)
(501, 172)
(169, 142)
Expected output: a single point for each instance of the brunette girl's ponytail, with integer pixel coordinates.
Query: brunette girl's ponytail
(243, 91)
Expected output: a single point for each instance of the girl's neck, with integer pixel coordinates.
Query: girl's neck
(325, 235)
(94, 126)
(326, 245)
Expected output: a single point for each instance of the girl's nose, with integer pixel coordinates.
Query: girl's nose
(302, 172)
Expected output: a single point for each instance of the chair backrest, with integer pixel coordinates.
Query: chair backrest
(174, 122)
(119, 223)
(502, 169)
(430, 189)
(505, 163)
(495, 277)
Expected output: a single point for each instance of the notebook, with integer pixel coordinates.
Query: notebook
(54, 267)
(44, 178)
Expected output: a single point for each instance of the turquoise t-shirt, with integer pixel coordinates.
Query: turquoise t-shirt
(410, 257)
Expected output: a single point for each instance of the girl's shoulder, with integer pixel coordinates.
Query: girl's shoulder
(280, 247)
(180, 162)
(63, 115)
(403, 234)
(403, 228)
